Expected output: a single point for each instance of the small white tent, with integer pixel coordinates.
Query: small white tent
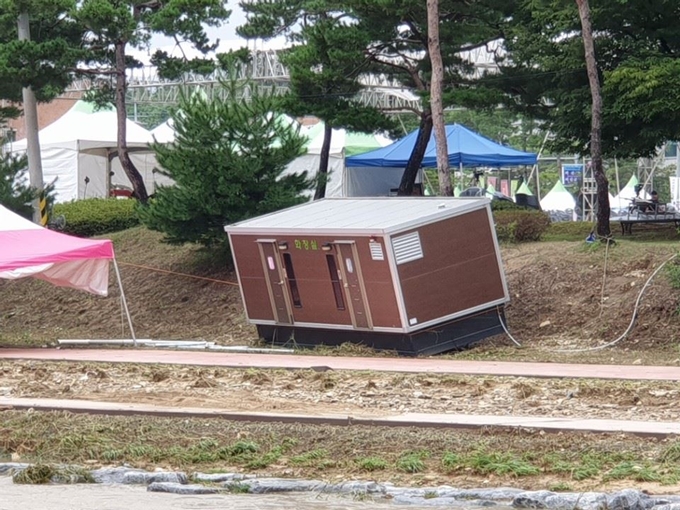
(164, 133)
(622, 201)
(79, 150)
(558, 199)
(343, 144)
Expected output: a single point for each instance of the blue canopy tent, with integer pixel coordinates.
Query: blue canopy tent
(466, 149)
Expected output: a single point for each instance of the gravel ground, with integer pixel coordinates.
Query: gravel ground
(341, 392)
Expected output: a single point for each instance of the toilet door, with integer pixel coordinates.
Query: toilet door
(276, 281)
(353, 283)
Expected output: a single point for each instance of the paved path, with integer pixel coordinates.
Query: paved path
(421, 420)
(406, 365)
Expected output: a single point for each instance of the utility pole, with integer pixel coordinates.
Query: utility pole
(436, 101)
(31, 122)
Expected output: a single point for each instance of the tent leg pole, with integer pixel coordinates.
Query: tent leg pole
(125, 306)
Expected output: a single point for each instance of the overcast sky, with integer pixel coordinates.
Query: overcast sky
(225, 33)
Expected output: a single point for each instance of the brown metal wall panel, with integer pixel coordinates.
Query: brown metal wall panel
(313, 280)
(459, 269)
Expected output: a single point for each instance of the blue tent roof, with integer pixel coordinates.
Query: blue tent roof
(466, 146)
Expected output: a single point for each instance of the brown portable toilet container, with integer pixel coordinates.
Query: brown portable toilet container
(417, 275)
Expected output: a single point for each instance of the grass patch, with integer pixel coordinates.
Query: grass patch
(412, 462)
(633, 471)
(40, 474)
(308, 458)
(501, 464)
(371, 464)
(464, 457)
(237, 488)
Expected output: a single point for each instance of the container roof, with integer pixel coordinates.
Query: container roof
(374, 215)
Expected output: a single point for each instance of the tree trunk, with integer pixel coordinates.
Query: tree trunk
(408, 178)
(324, 158)
(138, 186)
(436, 101)
(30, 108)
(603, 229)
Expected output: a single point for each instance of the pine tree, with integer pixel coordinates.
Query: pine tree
(15, 193)
(228, 162)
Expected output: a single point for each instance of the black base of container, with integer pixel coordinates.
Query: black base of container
(447, 336)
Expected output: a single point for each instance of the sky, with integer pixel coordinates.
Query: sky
(225, 33)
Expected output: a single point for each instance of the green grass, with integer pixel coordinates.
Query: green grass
(371, 464)
(500, 464)
(569, 460)
(633, 471)
(309, 458)
(412, 462)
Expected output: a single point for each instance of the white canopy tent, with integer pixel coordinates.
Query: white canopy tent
(164, 133)
(79, 150)
(558, 199)
(343, 144)
(622, 201)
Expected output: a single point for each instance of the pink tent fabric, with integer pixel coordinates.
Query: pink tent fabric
(27, 249)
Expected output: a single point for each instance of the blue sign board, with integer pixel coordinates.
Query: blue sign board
(571, 174)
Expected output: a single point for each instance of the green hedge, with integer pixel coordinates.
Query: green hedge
(95, 216)
(520, 225)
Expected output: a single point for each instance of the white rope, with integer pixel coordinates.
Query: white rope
(613, 342)
(500, 318)
(632, 319)
(604, 276)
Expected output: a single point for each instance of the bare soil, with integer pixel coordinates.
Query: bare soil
(354, 393)
(565, 295)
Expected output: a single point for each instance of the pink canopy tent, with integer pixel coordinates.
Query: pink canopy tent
(27, 249)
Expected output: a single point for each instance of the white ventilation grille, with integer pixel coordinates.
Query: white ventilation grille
(407, 248)
(376, 251)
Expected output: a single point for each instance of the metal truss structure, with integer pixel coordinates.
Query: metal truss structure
(268, 74)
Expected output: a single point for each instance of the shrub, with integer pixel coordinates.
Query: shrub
(506, 205)
(96, 216)
(520, 226)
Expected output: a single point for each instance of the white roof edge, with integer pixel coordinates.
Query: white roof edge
(474, 204)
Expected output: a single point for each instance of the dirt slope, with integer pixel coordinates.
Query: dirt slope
(556, 289)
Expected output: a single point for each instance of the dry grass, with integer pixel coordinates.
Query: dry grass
(401, 455)
(557, 282)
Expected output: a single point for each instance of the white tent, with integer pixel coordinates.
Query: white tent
(622, 201)
(343, 143)
(164, 133)
(558, 199)
(79, 150)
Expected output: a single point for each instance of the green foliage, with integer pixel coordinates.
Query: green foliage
(451, 461)
(543, 72)
(631, 470)
(228, 163)
(46, 61)
(371, 464)
(96, 216)
(673, 274)
(15, 194)
(130, 22)
(309, 458)
(569, 231)
(506, 205)
(412, 462)
(237, 488)
(324, 65)
(520, 226)
(501, 464)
